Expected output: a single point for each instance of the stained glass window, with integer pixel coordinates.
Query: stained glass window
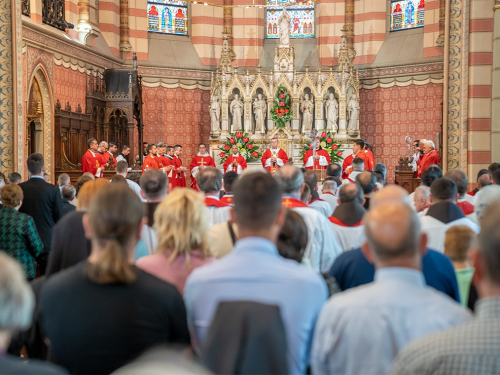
(301, 14)
(167, 16)
(407, 14)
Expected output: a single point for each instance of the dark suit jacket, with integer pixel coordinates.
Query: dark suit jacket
(42, 201)
(12, 365)
(67, 207)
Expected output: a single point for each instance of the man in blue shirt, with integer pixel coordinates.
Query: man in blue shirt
(254, 271)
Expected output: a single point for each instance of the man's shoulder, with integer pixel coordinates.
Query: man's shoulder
(465, 221)
(429, 222)
(14, 365)
(64, 281)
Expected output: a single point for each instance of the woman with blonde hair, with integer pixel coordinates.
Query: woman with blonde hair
(104, 312)
(180, 222)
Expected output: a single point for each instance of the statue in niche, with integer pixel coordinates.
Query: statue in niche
(332, 109)
(260, 109)
(215, 114)
(307, 108)
(285, 28)
(353, 111)
(236, 109)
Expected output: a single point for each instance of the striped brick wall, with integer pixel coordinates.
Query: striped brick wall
(330, 16)
(248, 33)
(431, 29)
(71, 15)
(138, 28)
(370, 17)
(109, 24)
(206, 31)
(480, 78)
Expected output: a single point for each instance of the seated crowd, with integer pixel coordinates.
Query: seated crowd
(252, 274)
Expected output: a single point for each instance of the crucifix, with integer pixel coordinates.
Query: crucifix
(202, 163)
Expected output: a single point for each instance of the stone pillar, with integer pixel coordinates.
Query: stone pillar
(495, 95)
(227, 23)
(349, 26)
(124, 29)
(12, 125)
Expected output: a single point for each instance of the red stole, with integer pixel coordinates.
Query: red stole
(291, 202)
(227, 199)
(334, 220)
(212, 202)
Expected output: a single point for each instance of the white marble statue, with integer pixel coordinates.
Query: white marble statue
(332, 110)
(353, 110)
(307, 108)
(236, 109)
(260, 109)
(284, 28)
(215, 114)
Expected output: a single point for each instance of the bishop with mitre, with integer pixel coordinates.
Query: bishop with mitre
(200, 161)
(235, 162)
(320, 160)
(274, 157)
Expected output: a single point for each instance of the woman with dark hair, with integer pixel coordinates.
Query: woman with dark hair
(104, 312)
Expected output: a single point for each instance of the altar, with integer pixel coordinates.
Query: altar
(327, 101)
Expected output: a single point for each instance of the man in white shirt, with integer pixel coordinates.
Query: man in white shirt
(443, 213)
(329, 193)
(122, 170)
(316, 202)
(358, 167)
(209, 181)
(360, 331)
(323, 246)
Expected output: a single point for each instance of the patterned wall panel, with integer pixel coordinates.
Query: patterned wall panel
(388, 115)
(177, 116)
(70, 85)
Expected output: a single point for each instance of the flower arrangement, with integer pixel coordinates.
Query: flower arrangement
(328, 143)
(247, 147)
(281, 113)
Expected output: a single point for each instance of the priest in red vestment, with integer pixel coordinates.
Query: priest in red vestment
(90, 161)
(357, 152)
(150, 161)
(180, 171)
(235, 162)
(370, 159)
(200, 161)
(321, 158)
(347, 164)
(169, 166)
(431, 157)
(274, 157)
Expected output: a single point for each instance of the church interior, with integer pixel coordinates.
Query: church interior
(136, 71)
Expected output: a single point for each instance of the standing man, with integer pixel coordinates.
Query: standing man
(163, 163)
(42, 201)
(431, 157)
(357, 152)
(112, 150)
(345, 166)
(274, 157)
(125, 152)
(90, 161)
(169, 157)
(150, 161)
(200, 161)
(320, 161)
(179, 169)
(369, 157)
(235, 162)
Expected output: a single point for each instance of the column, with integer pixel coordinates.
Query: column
(495, 96)
(124, 29)
(11, 89)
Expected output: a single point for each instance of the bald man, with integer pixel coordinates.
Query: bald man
(352, 269)
(422, 199)
(362, 331)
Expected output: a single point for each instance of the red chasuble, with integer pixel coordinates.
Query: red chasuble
(90, 162)
(239, 159)
(322, 152)
(268, 154)
(428, 160)
(347, 163)
(171, 173)
(370, 160)
(363, 156)
(180, 176)
(291, 202)
(199, 160)
(150, 162)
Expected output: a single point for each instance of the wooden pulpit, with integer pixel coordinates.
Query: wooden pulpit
(405, 175)
(320, 174)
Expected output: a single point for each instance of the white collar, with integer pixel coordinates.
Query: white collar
(274, 149)
(92, 152)
(233, 155)
(213, 196)
(205, 155)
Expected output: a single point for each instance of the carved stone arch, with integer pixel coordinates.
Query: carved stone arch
(259, 83)
(307, 82)
(40, 75)
(236, 83)
(282, 81)
(331, 82)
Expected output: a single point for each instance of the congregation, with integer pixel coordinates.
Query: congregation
(250, 270)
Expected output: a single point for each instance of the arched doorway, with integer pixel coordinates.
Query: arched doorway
(39, 120)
